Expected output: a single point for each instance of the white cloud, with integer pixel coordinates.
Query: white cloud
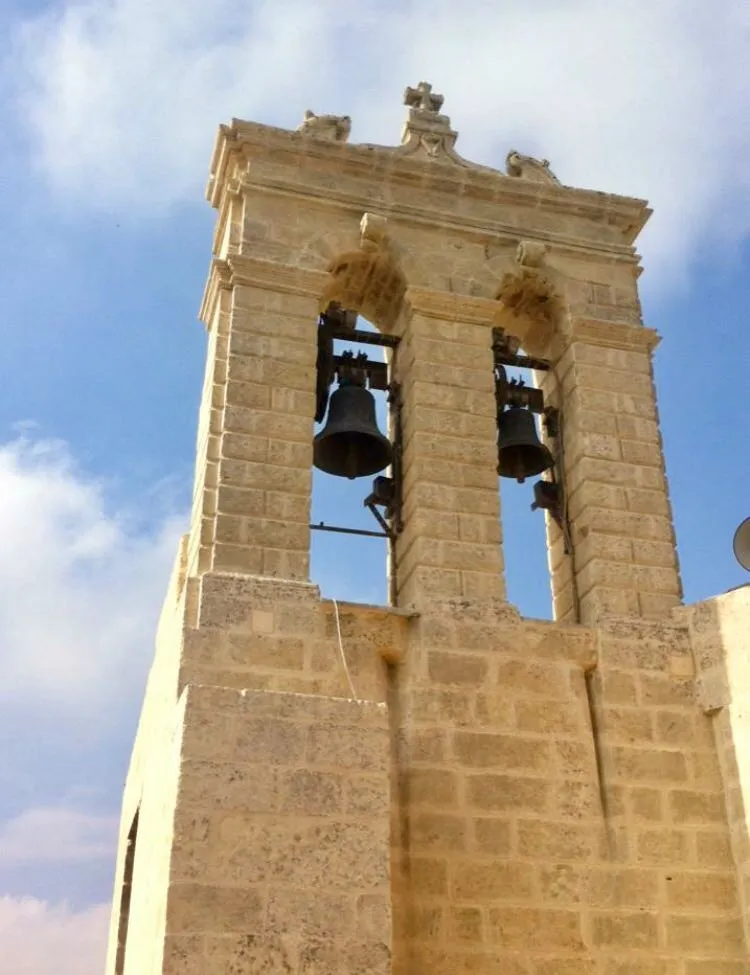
(80, 587)
(38, 938)
(123, 97)
(55, 834)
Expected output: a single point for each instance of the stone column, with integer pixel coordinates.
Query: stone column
(623, 543)
(451, 543)
(253, 482)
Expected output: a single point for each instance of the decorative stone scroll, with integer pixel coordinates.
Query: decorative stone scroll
(527, 167)
(530, 305)
(326, 128)
(368, 279)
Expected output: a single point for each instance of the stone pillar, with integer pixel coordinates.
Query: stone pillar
(623, 543)
(451, 543)
(253, 481)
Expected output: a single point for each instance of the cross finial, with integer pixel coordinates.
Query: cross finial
(422, 97)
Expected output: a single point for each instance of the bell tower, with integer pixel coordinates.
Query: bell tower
(437, 786)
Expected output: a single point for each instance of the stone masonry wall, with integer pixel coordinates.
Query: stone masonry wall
(280, 862)
(526, 841)
(541, 820)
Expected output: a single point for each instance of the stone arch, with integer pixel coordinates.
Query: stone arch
(319, 251)
(486, 278)
(531, 308)
(367, 280)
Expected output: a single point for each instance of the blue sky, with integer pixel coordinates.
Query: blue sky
(109, 111)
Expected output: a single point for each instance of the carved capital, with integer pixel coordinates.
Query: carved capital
(219, 280)
(267, 275)
(449, 307)
(612, 335)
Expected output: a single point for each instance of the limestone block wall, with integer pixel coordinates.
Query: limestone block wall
(548, 821)
(451, 544)
(537, 798)
(253, 475)
(271, 635)
(280, 857)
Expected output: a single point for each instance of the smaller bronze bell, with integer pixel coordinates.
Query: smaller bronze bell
(350, 445)
(521, 454)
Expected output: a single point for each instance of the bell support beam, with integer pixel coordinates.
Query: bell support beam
(623, 559)
(451, 542)
(251, 500)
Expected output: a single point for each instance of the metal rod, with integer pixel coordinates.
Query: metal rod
(521, 361)
(379, 518)
(366, 338)
(347, 531)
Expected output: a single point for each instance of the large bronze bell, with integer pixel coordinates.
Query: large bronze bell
(521, 453)
(350, 445)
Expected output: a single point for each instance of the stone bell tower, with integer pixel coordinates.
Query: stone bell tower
(437, 786)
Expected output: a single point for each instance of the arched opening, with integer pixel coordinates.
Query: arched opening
(350, 566)
(528, 317)
(525, 551)
(350, 541)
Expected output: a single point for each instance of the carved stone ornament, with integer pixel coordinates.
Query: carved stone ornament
(369, 279)
(426, 132)
(530, 253)
(374, 228)
(327, 128)
(527, 167)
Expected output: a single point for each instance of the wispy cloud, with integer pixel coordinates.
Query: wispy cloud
(81, 581)
(122, 99)
(55, 834)
(80, 585)
(39, 938)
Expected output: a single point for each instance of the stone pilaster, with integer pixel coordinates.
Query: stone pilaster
(253, 480)
(623, 544)
(451, 544)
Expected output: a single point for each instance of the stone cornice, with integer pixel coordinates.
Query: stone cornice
(498, 230)
(283, 278)
(219, 279)
(291, 150)
(612, 335)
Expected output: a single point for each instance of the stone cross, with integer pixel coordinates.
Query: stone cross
(423, 98)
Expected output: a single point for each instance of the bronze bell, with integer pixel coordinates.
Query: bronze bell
(350, 445)
(520, 451)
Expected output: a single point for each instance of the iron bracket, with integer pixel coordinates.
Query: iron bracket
(505, 353)
(321, 527)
